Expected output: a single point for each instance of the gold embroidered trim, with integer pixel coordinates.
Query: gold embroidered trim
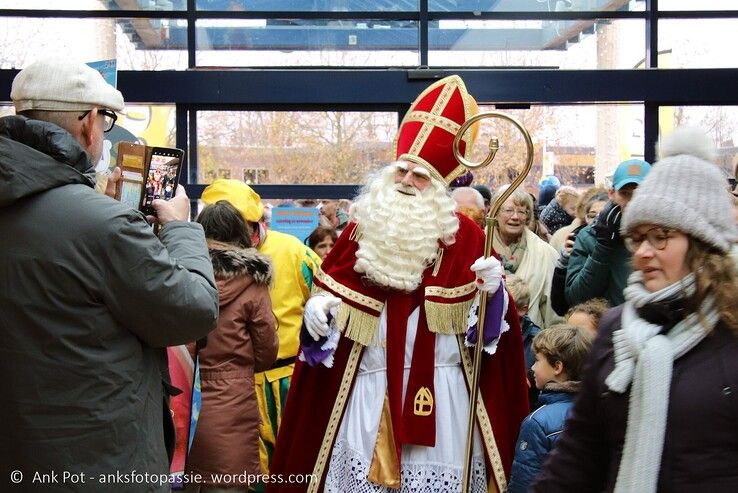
(458, 171)
(450, 292)
(330, 433)
(485, 425)
(432, 119)
(348, 292)
(439, 259)
(427, 128)
(447, 318)
(436, 120)
(357, 325)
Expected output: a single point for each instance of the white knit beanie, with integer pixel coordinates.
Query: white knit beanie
(53, 84)
(686, 192)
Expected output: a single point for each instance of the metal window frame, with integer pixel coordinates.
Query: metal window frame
(354, 89)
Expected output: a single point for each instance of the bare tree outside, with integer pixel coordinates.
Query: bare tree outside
(294, 147)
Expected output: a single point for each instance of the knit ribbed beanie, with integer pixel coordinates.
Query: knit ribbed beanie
(686, 192)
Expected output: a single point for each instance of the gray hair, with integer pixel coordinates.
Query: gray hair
(519, 197)
(466, 193)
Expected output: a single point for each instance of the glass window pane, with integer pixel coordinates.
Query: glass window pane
(152, 5)
(309, 5)
(698, 5)
(532, 5)
(698, 43)
(137, 44)
(300, 42)
(286, 147)
(720, 122)
(578, 44)
(150, 124)
(580, 144)
(6, 109)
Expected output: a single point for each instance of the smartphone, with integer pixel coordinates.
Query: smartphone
(162, 177)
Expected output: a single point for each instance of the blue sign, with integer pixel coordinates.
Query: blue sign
(108, 69)
(296, 221)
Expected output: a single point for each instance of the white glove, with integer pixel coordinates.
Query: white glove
(489, 274)
(316, 311)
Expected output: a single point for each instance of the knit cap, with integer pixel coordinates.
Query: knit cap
(685, 191)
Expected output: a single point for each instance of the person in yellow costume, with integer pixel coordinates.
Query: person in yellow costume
(294, 266)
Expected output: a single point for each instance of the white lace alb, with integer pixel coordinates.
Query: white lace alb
(349, 470)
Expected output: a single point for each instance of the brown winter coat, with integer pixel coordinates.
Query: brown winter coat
(244, 342)
(701, 441)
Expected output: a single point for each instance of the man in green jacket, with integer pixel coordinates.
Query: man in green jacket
(599, 264)
(89, 297)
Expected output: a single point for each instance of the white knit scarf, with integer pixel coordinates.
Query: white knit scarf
(645, 357)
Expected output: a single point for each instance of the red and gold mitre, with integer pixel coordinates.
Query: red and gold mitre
(427, 132)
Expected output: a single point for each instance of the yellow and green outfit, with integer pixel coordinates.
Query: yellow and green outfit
(294, 266)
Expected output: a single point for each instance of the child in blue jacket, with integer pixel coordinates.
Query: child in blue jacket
(559, 351)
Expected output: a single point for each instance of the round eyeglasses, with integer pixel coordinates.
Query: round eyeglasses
(657, 237)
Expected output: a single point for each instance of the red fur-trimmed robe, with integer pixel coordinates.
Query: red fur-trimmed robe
(312, 416)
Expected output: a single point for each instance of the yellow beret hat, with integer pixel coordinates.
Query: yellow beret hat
(238, 194)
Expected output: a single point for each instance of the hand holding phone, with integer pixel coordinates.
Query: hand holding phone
(569, 243)
(162, 178)
(175, 209)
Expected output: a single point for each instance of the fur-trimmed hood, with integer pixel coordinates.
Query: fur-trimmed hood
(236, 269)
(569, 387)
(229, 262)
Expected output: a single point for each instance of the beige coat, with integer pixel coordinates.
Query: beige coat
(536, 269)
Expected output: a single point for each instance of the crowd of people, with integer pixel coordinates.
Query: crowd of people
(610, 335)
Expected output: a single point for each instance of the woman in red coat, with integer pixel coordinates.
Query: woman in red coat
(225, 449)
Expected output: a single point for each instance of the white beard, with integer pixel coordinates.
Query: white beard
(399, 234)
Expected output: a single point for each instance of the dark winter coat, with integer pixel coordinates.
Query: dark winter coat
(554, 217)
(558, 282)
(701, 441)
(596, 271)
(89, 297)
(226, 440)
(539, 432)
(558, 287)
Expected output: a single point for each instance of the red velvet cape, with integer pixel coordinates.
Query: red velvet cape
(313, 392)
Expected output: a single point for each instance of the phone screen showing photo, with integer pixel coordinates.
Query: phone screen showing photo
(161, 181)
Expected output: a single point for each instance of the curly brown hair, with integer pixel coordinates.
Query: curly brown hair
(595, 308)
(715, 273)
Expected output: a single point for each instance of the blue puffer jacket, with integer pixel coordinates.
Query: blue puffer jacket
(539, 432)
